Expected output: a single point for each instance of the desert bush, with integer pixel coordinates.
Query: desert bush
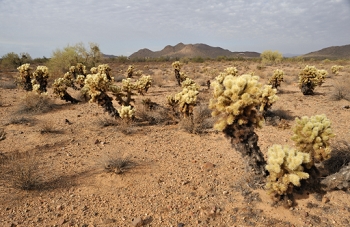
(8, 85)
(33, 103)
(200, 122)
(62, 59)
(270, 57)
(235, 103)
(158, 80)
(12, 60)
(117, 164)
(341, 89)
(15, 120)
(48, 127)
(21, 171)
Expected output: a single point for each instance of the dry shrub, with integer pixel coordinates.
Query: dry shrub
(48, 127)
(33, 103)
(158, 79)
(106, 122)
(119, 78)
(20, 121)
(21, 171)
(117, 164)
(341, 90)
(8, 85)
(199, 122)
(340, 157)
(125, 127)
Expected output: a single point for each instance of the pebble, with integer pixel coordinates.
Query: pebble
(137, 222)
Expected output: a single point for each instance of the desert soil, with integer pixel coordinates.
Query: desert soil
(179, 178)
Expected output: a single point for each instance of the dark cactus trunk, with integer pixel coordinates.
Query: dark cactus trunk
(106, 102)
(245, 140)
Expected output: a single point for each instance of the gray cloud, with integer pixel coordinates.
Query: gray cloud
(122, 27)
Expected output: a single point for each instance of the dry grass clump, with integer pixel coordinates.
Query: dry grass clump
(340, 157)
(117, 164)
(8, 85)
(21, 171)
(158, 79)
(48, 127)
(106, 122)
(20, 121)
(200, 122)
(341, 90)
(33, 103)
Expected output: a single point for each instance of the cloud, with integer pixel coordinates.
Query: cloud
(123, 27)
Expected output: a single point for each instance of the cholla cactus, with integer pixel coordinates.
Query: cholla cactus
(276, 79)
(235, 102)
(127, 113)
(268, 97)
(322, 74)
(60, 87)
(105, 69)
(286, 169)
(97, 85)
(130, 71)
(177, 67)
(309, 78)
(123, 94)
(143, 84)
(312, 135)
(231, 71)
(336, 68)
(39, 79)
(24, 78)
(187, 98)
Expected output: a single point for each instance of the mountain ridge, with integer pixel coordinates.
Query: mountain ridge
(191, 50)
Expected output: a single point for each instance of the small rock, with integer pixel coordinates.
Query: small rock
(208, 166)
(137, 222)
(180, 225)
(108, 221)
(225, 192)
(61, 221)
(325, 199)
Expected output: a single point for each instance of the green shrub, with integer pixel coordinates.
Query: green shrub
(271, 57)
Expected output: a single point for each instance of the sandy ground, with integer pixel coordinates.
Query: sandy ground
(177, 178)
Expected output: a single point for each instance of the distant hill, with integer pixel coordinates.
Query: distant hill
(191, 50)
(333, 52)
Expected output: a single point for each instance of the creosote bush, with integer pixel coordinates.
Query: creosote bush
(270, 57)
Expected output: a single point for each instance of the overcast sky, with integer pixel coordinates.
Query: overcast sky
(122, 27)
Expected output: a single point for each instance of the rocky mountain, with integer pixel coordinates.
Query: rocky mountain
(191, 50)
(330, 52)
